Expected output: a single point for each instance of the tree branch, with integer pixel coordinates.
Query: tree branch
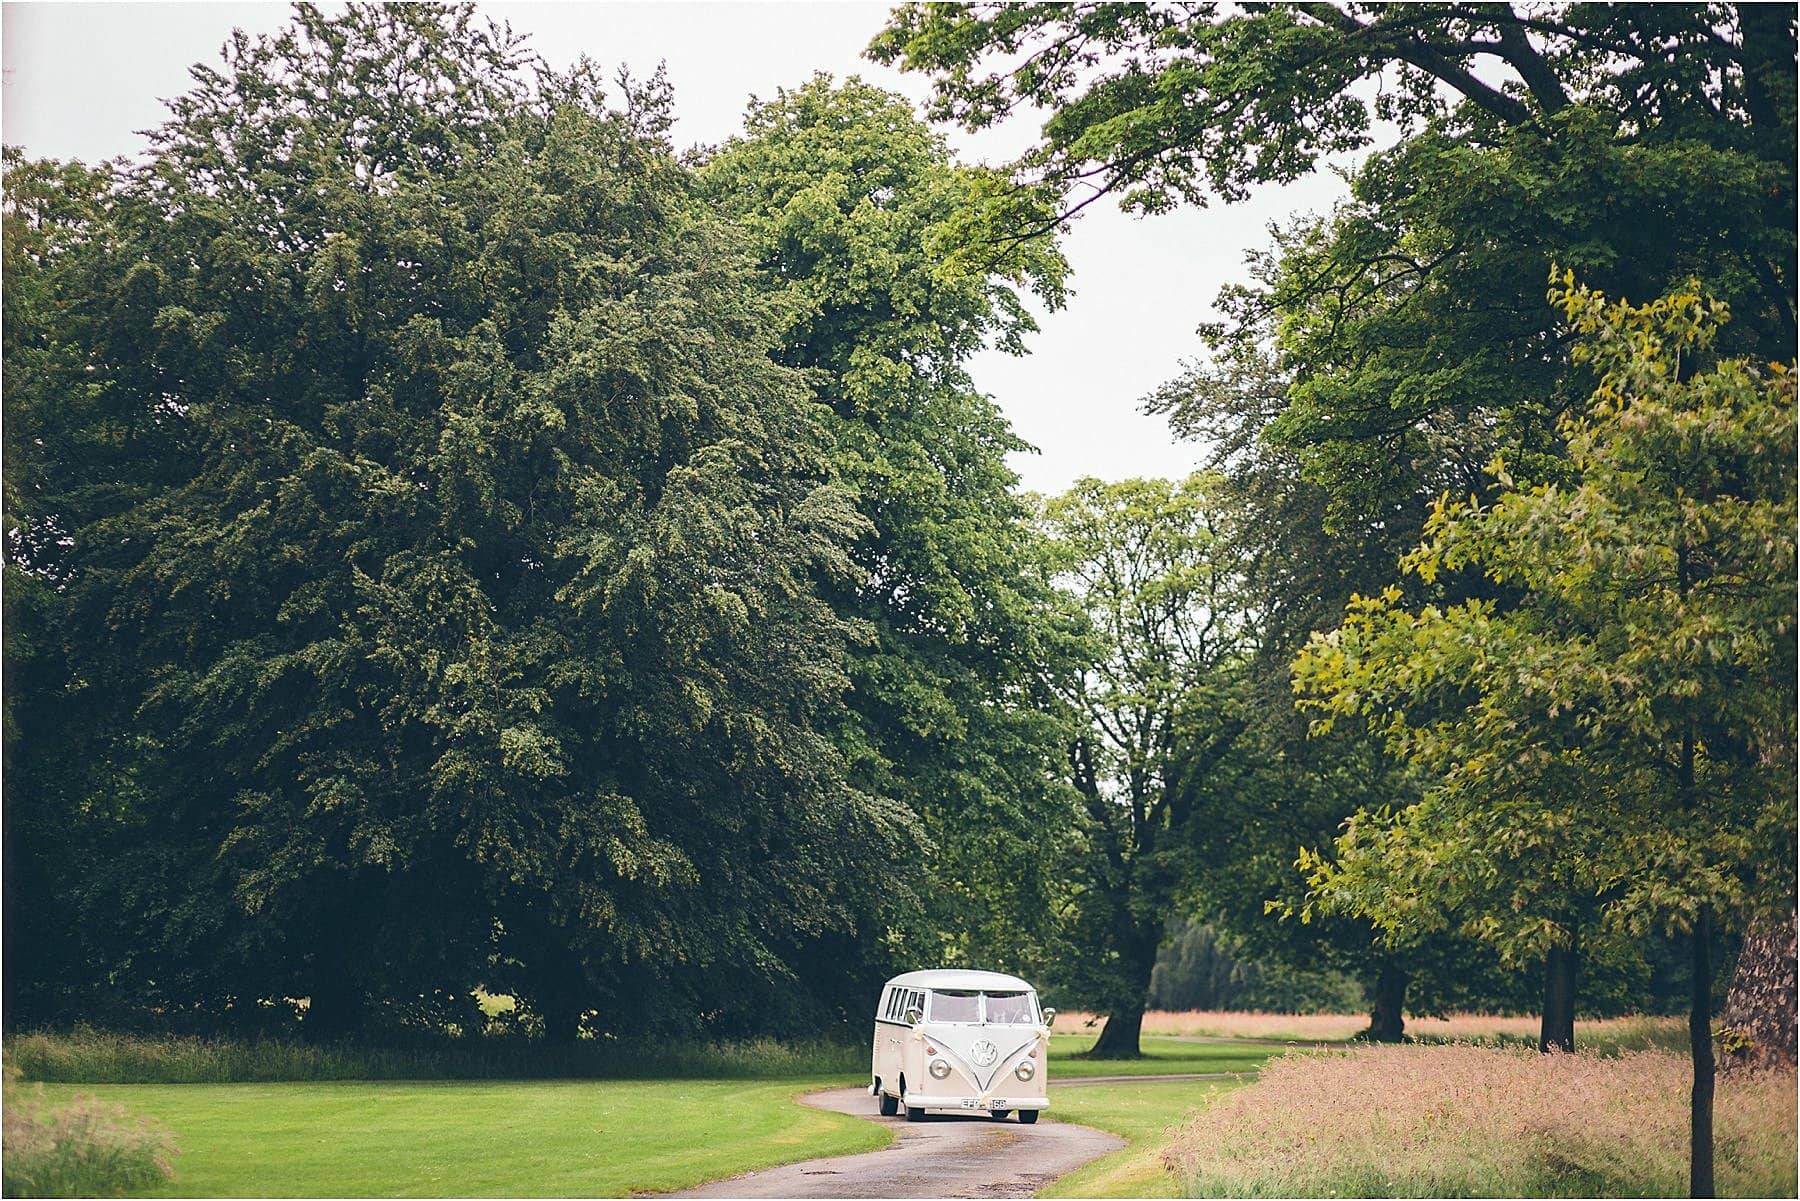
(1532, 67)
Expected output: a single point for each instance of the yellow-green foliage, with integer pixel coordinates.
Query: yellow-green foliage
(81, 1147)
(1461, 1121)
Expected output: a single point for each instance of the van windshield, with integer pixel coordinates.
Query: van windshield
(957, 1006)
(1010, 1008)
(1002, 1008)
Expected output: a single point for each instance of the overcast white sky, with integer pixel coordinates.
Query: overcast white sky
(80, 79)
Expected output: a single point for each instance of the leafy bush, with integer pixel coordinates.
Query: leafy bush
(83, 1148)
(89, 1056)
(1463, 1121)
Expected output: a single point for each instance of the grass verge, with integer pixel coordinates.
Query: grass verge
(1463, 1121)
(1162, 1057)
(85, 1055)
(1147, 1115)
(511, 1138)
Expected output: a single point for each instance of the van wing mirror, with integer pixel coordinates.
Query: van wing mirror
(914, 1015)
(1050, 1016)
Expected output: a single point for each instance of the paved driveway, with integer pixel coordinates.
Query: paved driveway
(946, 1155)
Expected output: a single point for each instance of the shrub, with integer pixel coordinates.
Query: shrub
(88, 1056)
(82, 1148)
(1464, 1121)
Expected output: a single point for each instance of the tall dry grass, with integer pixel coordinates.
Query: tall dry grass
(1464, 1121)
(1626, 1033)
(81, 1148)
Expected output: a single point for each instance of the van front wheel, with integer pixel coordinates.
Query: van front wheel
(1028, 1116)
(890, 1105)
(914, 1113)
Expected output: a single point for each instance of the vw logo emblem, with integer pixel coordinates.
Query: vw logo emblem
(983, 1053)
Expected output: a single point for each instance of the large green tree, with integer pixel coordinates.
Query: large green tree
(1290, 791)
(1164, 103)
(853, 207)
(417, 558)
(1151, 566)
(1622, 728)
(1382, 353)
(1390, 347)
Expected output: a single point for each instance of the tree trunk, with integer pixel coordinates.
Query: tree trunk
(1558, 1030)
(337, 1004)
(559, 989)
(1700, 1163)
(562, 1020)
(1119, 1037)
(335, 1009)
(1387, 1017)
(1137, 960)
(1758, 1022)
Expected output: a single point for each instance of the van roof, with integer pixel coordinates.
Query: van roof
(961, 978)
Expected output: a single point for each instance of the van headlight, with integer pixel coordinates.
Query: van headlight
(1025, 1070)
(939, 1069)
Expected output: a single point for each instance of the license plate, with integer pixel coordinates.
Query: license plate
(976, 1103)
(997, 1103)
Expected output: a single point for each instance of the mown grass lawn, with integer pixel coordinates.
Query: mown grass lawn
(480, 1138)
(600, 1137)
(1145, 1114)
(1162, 1057)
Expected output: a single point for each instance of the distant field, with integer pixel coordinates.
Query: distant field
(1162, 1056)
(1319, 1027)
(1629, 1033)
(485, 1138)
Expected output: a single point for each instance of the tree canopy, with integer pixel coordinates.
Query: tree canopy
(852, 206)
(1164, 103)
(428, 546)
(1396, 343)
(454, 543)
(1151, 567)
(1623, 729)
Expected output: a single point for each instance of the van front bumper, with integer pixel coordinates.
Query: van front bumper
(976, 1104)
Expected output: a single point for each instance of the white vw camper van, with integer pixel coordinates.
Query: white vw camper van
(961, 1040)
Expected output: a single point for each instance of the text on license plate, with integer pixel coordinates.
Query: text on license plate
(974, 1103)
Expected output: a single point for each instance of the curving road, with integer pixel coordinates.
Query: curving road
(946, 1155)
